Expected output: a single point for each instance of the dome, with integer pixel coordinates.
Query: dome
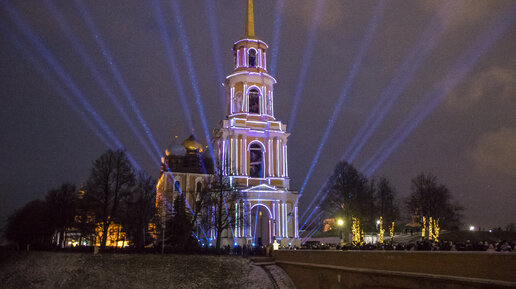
(174, 148)
(191, 144)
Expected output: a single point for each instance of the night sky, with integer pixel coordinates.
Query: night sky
(460, 77)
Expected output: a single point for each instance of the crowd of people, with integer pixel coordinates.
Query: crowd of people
(500, 246)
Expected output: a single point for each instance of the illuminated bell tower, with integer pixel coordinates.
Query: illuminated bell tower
(252, 143)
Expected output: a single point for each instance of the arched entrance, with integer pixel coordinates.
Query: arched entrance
(261, 225)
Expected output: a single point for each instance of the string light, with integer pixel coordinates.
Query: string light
(391, 232)
(423, 229)
(381, 231)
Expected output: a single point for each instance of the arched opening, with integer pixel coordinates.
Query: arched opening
(252, 58)
(254, 101)
(255, 161)
(261, 225)
(177, 186)
(198, 187)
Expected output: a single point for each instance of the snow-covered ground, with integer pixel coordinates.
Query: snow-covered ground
(78, 270)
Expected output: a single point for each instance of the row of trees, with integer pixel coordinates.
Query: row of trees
(114, 194)
(352, 194)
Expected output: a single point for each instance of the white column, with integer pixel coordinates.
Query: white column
(244, 99)
(249, 213)
(245, 154)
(264, 60)
(278, 219)
(286, 161)
(244, 57)
(263, 102)
(274, 218)
(237, 167)
(296, 231)
(231, 100)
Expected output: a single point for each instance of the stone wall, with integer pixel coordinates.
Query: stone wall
(393, 269)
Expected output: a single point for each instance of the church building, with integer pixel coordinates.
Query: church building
(251, 149)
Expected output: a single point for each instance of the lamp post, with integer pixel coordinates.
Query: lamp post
(340, 223)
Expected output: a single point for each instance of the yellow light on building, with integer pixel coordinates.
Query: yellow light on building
(340, 222)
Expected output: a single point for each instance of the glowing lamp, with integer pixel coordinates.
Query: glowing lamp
(472, 228)
(340, 222)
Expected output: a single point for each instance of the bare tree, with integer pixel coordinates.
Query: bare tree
(62, 203)
(139, 210)
(219, 201)
(385, 198)
(110, 182)
(431, 199)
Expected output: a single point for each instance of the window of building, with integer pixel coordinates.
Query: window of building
(177, 186)
(252, 58)
(198, 187)
(254, 101)
(256, 161)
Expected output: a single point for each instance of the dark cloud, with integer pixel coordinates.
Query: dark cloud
(495, 152)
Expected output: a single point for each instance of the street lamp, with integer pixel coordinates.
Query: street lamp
(340, 223)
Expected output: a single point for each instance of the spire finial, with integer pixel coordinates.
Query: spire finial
(249, 24)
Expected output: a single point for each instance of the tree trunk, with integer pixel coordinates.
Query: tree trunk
(104, 236)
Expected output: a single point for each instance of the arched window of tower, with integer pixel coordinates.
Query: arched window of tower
(254, 101)
(256, 161)
(252, 58)
(177, 186)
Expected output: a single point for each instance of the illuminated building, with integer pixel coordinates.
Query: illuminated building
(252, 145)
(251, 148)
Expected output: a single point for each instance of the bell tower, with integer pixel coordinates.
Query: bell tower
(252, 144)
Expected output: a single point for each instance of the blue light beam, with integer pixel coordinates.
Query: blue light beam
(191, 71)
(215, 48)
(65, 78)
(418, 54)
(376, 18)
(86, 59)
(309, 49)
(278, 21)
(454, 75)
(115, 71)
(169, 50)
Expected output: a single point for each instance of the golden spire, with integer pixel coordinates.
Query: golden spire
(249, 24)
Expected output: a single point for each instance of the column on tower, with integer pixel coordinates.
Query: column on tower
(245, 98)
(296, 235)
(249, 226)
(243, 155)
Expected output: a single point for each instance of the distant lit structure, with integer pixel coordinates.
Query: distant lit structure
(250, 147)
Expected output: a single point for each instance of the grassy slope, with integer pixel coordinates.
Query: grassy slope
(80, 270)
